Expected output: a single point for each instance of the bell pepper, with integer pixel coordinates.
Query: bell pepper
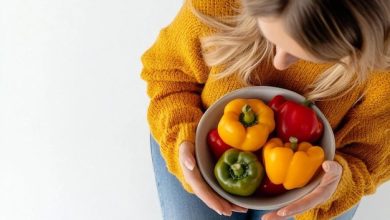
(239, 172)
(246, 124)
(216, 144)
(296, 120)
(267, 188)
(291, 164)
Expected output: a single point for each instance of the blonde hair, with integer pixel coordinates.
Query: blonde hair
(353, 34)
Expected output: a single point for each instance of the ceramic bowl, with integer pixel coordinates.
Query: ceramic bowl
(206, 161)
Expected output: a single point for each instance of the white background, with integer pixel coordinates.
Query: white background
(73, 133)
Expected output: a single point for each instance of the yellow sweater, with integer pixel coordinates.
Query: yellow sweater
(179, 89)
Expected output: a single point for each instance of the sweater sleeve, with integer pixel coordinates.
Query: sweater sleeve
(175, 73)
(363, 150)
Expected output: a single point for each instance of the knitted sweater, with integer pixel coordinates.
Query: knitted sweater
(180, 90)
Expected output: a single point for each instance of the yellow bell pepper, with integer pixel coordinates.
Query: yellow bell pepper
(291, 168)
(246, 124)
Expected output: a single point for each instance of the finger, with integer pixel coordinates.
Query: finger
(320, 194)
(193, 177)
(272, 216)
(186, 155)
(230, 207)
(208, 196)
(333, 172)
(237, 208)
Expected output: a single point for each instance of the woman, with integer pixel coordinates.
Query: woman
(336, 53)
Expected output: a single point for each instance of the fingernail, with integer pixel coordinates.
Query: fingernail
(282, 213)
(326, 167)
(227, 214)
(189, 165)
(219, 212)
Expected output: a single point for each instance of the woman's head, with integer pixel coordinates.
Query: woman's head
(287, 50)
(352, 34)
(330, 30)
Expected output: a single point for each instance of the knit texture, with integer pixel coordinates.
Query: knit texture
(180, 90)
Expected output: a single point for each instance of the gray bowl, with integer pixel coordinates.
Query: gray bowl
(206, 163)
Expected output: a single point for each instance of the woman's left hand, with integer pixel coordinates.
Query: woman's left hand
(319, 195)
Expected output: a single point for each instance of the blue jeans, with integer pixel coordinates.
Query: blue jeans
(177, 204)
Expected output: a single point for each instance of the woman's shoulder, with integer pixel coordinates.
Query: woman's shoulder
(379, 82)
(187, 21)
(377, 93)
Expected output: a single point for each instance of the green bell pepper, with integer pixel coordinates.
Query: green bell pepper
(239, 172)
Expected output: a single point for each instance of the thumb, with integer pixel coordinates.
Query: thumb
(333, 172)
(332, 167)
(186, 155)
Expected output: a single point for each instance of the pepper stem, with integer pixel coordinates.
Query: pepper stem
(237, 169)
(249, 115)
(307, 103)
(294, 143)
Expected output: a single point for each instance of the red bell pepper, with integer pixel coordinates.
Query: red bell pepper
(216, 144)
(267, 188)
(296, 119)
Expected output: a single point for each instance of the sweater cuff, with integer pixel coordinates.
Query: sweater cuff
(187, 132)
(169, 147)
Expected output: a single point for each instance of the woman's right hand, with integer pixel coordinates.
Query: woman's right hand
(199, 186)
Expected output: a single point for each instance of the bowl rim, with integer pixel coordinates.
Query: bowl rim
(233, 95)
